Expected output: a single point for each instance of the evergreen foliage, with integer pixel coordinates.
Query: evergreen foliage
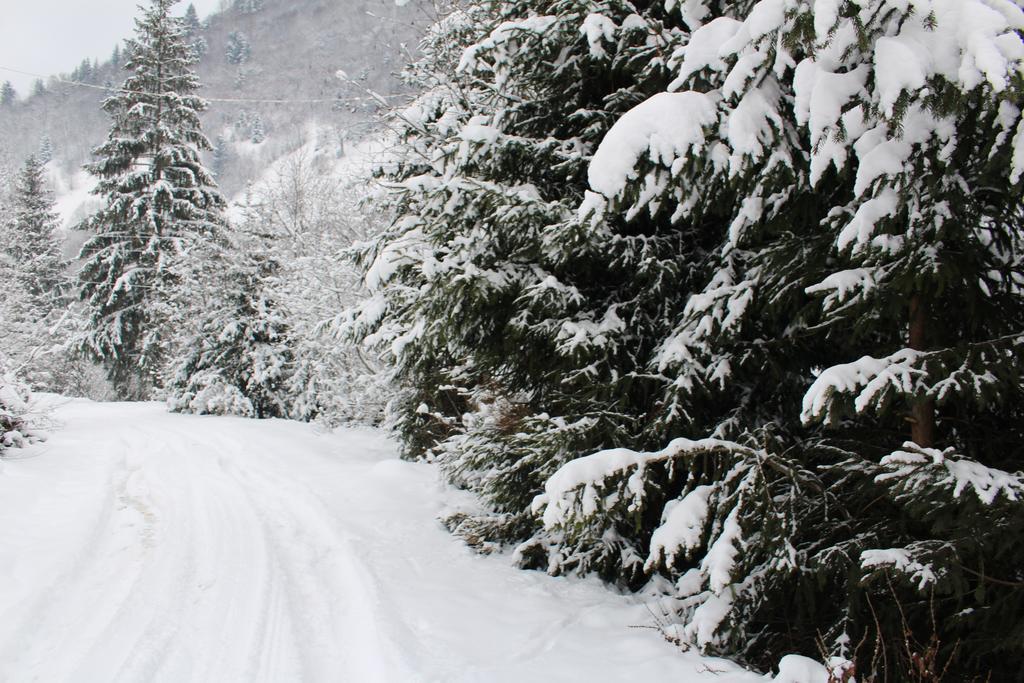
(266, 345)
(200, 47)
(160, 204)
(45, 155)
(35, 282)
(240, 362)
(248, 6)
(191, 21)
(769, 234)
(14, 397)
(258, 134)
(237, 50)
(8, 96)
(219, 154)
(31, 238)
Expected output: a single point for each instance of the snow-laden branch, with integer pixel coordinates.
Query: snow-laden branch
(915, 468)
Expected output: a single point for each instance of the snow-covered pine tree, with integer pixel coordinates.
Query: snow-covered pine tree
(35, 279)
(33, 242)
(858, 165)
(160, 204)
(8, 96)
(240, 361)
(45, 154)
(219, 154)
(237, 49)
(492, 296)
(14, 397)
(83, 73)
(258, 134)
(191, 21)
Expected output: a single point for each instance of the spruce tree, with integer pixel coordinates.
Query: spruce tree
(84, 72)
(219, 155)
(191, 20)
(34, 244)
(34, 276)
(237, 50)
(864, 198)
(7, 95)
(161, 205)
(240, 361)
(257, 134)
(538, 330)
(693, 274)
(45, 155)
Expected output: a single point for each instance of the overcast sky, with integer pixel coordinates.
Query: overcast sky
(54, 36)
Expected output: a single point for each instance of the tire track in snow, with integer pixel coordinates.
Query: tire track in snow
(335, 599)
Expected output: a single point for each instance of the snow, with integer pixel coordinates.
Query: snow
(900, 560)
(707, 618)
(560, 490)
(704, 49)
(573, 335)
(404, 250)
(505, 33)
(721, 556)
(766, 16)
(867, 377)
(1017, 163)
(798, 669)
(72, 194)
(987, 483)
(476, 130)
(838, 287)
(666, 127)
(693, 12)
(899, 65)
(750, 126)
(598, 28)
(861, 228)
(826, 14)
(965, 41)
(138, 545)
(682, 525)
(821, 96)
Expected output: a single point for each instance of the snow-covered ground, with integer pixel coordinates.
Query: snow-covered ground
(136, 545)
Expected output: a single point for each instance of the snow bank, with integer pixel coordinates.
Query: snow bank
(799, 669)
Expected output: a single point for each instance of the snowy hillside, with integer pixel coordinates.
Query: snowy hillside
(287, 80)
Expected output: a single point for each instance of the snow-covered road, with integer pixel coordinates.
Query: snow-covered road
(137, 545)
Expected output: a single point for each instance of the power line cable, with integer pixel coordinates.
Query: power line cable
(371, 96)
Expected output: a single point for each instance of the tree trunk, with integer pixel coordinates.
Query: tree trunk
(922, 416)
